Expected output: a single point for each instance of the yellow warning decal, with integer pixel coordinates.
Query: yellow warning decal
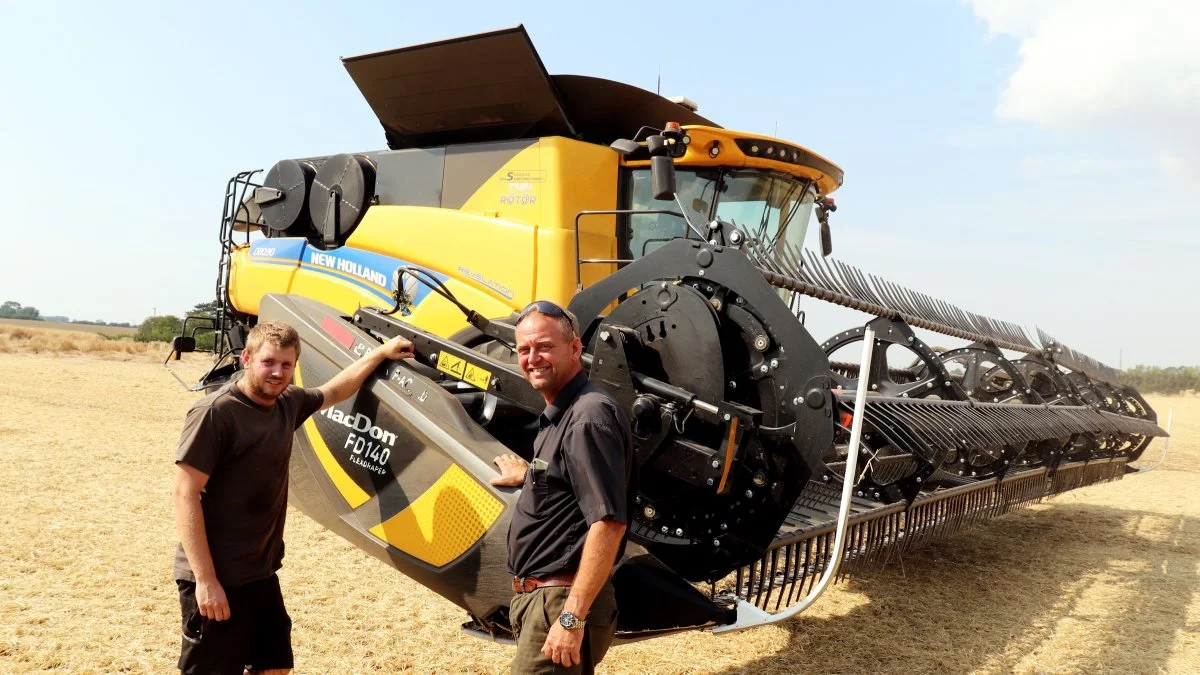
(354, 495)
(445, 521)
(471, 374)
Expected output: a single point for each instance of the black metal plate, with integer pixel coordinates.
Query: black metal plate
(289, 216)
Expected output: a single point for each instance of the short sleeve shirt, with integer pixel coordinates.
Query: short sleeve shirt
(580, 474)
(245, 449)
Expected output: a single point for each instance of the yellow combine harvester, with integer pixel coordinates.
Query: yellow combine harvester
(678, 244)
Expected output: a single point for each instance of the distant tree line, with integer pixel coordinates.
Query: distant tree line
(11, 309)
(154, 329)
(165, 327)
(1152, 379)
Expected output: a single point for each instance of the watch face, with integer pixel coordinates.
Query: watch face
(567, 620)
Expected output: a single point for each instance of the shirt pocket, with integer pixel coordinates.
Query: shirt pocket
(539, 479)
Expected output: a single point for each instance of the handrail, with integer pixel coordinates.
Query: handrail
(748, 615)
(609, 212)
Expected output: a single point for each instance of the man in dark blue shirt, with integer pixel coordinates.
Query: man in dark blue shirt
(568, 529)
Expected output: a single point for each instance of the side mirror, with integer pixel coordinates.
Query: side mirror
(183, 343)
(662, 178)
(825, 206)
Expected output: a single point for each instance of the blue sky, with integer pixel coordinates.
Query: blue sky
(1007, 156)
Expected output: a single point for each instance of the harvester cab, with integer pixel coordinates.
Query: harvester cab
(763, 462)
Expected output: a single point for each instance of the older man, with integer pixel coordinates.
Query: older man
(231, 499)
(568, 529)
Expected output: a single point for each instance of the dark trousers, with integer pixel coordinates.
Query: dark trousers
(257, 635)
(533, 613)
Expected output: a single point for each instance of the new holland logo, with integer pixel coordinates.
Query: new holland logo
(349, 267)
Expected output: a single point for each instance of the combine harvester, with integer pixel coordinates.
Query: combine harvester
(679, 246)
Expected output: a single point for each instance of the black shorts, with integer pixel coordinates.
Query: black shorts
(257, 635)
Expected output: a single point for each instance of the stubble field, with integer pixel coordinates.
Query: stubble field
(1105, 579)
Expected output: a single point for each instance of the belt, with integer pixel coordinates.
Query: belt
(530, 584)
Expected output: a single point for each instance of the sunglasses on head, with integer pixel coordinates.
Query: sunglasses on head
(549, 309)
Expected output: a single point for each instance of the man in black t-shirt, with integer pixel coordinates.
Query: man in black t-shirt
(568, 527)
(230, 498)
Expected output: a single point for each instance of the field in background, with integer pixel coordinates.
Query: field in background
(1105, 579)
(76, 327)
(18, 336)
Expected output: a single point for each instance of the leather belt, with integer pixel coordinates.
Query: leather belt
(530, 584)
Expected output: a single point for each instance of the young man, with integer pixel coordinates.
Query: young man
(231, 499)
(568, 529)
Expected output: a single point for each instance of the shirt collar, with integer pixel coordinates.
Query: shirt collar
(566, 396)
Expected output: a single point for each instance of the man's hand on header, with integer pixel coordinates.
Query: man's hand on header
(398, 348)
(512, 471)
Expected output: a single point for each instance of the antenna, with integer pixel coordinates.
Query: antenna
(658, 86)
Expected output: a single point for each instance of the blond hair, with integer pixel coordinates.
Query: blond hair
(277, 333)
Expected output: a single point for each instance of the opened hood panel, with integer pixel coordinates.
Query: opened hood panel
(493, 87)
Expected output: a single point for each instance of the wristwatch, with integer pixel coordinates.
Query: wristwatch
(570, 621)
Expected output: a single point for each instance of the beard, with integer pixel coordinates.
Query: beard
(263, 389)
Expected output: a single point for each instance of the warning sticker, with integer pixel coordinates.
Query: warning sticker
(471, 374)
(477, 376)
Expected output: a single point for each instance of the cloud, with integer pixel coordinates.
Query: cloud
(1055, 164)
(1130, 70)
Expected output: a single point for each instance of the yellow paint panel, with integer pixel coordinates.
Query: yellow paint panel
(354, 495)
(440, 525)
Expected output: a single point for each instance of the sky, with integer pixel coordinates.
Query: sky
(1036, 161)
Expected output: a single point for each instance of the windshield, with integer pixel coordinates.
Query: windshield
(771, 207)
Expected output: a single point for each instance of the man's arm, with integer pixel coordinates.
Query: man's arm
(596, 456)
(189, 521)
(345, 383)
(599, 555)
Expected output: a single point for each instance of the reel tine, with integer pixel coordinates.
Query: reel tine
(767, 258)
(904, 301)
(829, 267)
(794, 570)
(791, 261)
(810, 565)
(860, 283)
(881, 416)
(847, 280)
(822, 274)
(771, 579)
(929, 306)
(962, 319)
(886, 292)
(785, 585)
(847, 272)
(983, 325)
(866, 287)
(807, 267)
(943, 312)
(750, 580)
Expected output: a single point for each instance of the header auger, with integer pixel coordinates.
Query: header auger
(767, 465)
